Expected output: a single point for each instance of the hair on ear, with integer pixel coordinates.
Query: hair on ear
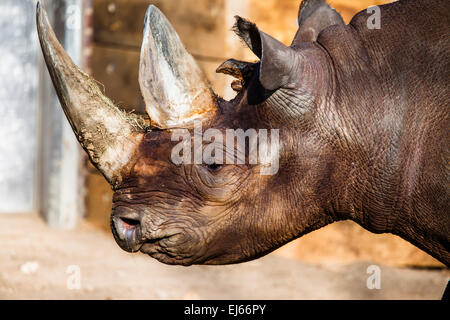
(249, 33)
(241, 70)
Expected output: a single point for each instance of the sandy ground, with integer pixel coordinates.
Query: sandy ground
(35, 263)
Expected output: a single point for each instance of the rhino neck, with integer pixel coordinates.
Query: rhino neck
(389, 142)
(389, 175)
(381, 200)
(390, 169)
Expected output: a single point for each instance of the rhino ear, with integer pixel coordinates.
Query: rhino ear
(277, 60)
(313, 17)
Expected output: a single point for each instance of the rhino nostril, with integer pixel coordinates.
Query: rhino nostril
(127, 229)
(128, 223)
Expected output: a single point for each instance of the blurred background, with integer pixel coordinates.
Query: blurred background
(54, 206)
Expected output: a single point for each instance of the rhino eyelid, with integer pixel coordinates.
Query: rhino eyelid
(214, 167)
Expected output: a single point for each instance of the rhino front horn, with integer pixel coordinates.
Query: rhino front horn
(175, 90)
(108, 135)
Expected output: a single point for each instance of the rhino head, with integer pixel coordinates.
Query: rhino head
(215, 212)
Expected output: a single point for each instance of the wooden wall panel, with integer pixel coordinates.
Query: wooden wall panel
(117, 69)
(199, 24)
(99, 201)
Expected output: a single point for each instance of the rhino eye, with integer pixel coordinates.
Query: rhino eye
(214, 167)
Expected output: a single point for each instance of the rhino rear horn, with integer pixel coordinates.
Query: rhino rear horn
(174, 88)
(108, 135)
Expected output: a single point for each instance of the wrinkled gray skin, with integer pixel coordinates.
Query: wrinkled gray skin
(364, 123)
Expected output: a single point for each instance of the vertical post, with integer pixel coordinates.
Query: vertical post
(19, 74)
(61, 180)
